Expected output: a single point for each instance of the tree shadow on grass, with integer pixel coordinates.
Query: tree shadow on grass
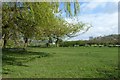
(18, 57)
(112, 74)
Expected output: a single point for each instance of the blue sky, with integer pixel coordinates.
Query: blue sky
(102, 15)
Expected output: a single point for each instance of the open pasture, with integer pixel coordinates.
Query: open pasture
(62, 62)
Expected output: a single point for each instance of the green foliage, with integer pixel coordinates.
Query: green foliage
(71, 11)
(73, 43)
(35, 21)
(106, 40)
(110, 41)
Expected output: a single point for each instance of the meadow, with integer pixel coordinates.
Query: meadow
(61, 62)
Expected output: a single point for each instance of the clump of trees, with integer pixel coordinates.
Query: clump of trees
(110, 41)
(26, 21)
(73, 43)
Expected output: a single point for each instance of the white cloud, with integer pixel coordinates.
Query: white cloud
(103, 7)
(91, 5)
(98, 0)
(103, 24)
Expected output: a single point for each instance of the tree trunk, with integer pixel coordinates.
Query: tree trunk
(16, 43)
(4, 43)
(26, 42)
(57, 42)
(47, 44)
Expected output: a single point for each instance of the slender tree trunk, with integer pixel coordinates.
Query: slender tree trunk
(57, 42)
(4, 43)
(47, 44)
(49, 41)
(26, 42)
(16, 43)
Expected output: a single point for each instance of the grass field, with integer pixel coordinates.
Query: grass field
(68, 62)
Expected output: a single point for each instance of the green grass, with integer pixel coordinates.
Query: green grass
(68, 62)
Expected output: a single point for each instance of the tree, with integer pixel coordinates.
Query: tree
(7, 22)
(24, 17)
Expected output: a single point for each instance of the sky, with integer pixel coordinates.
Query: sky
(103, 16)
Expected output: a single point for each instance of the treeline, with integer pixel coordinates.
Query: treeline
(110, 40)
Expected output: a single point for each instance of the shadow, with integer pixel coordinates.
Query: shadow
(19, 56)
(113, 74)
(39, 46)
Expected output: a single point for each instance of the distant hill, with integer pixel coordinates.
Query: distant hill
(114, 38)
(108, 37)
(109, 40)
